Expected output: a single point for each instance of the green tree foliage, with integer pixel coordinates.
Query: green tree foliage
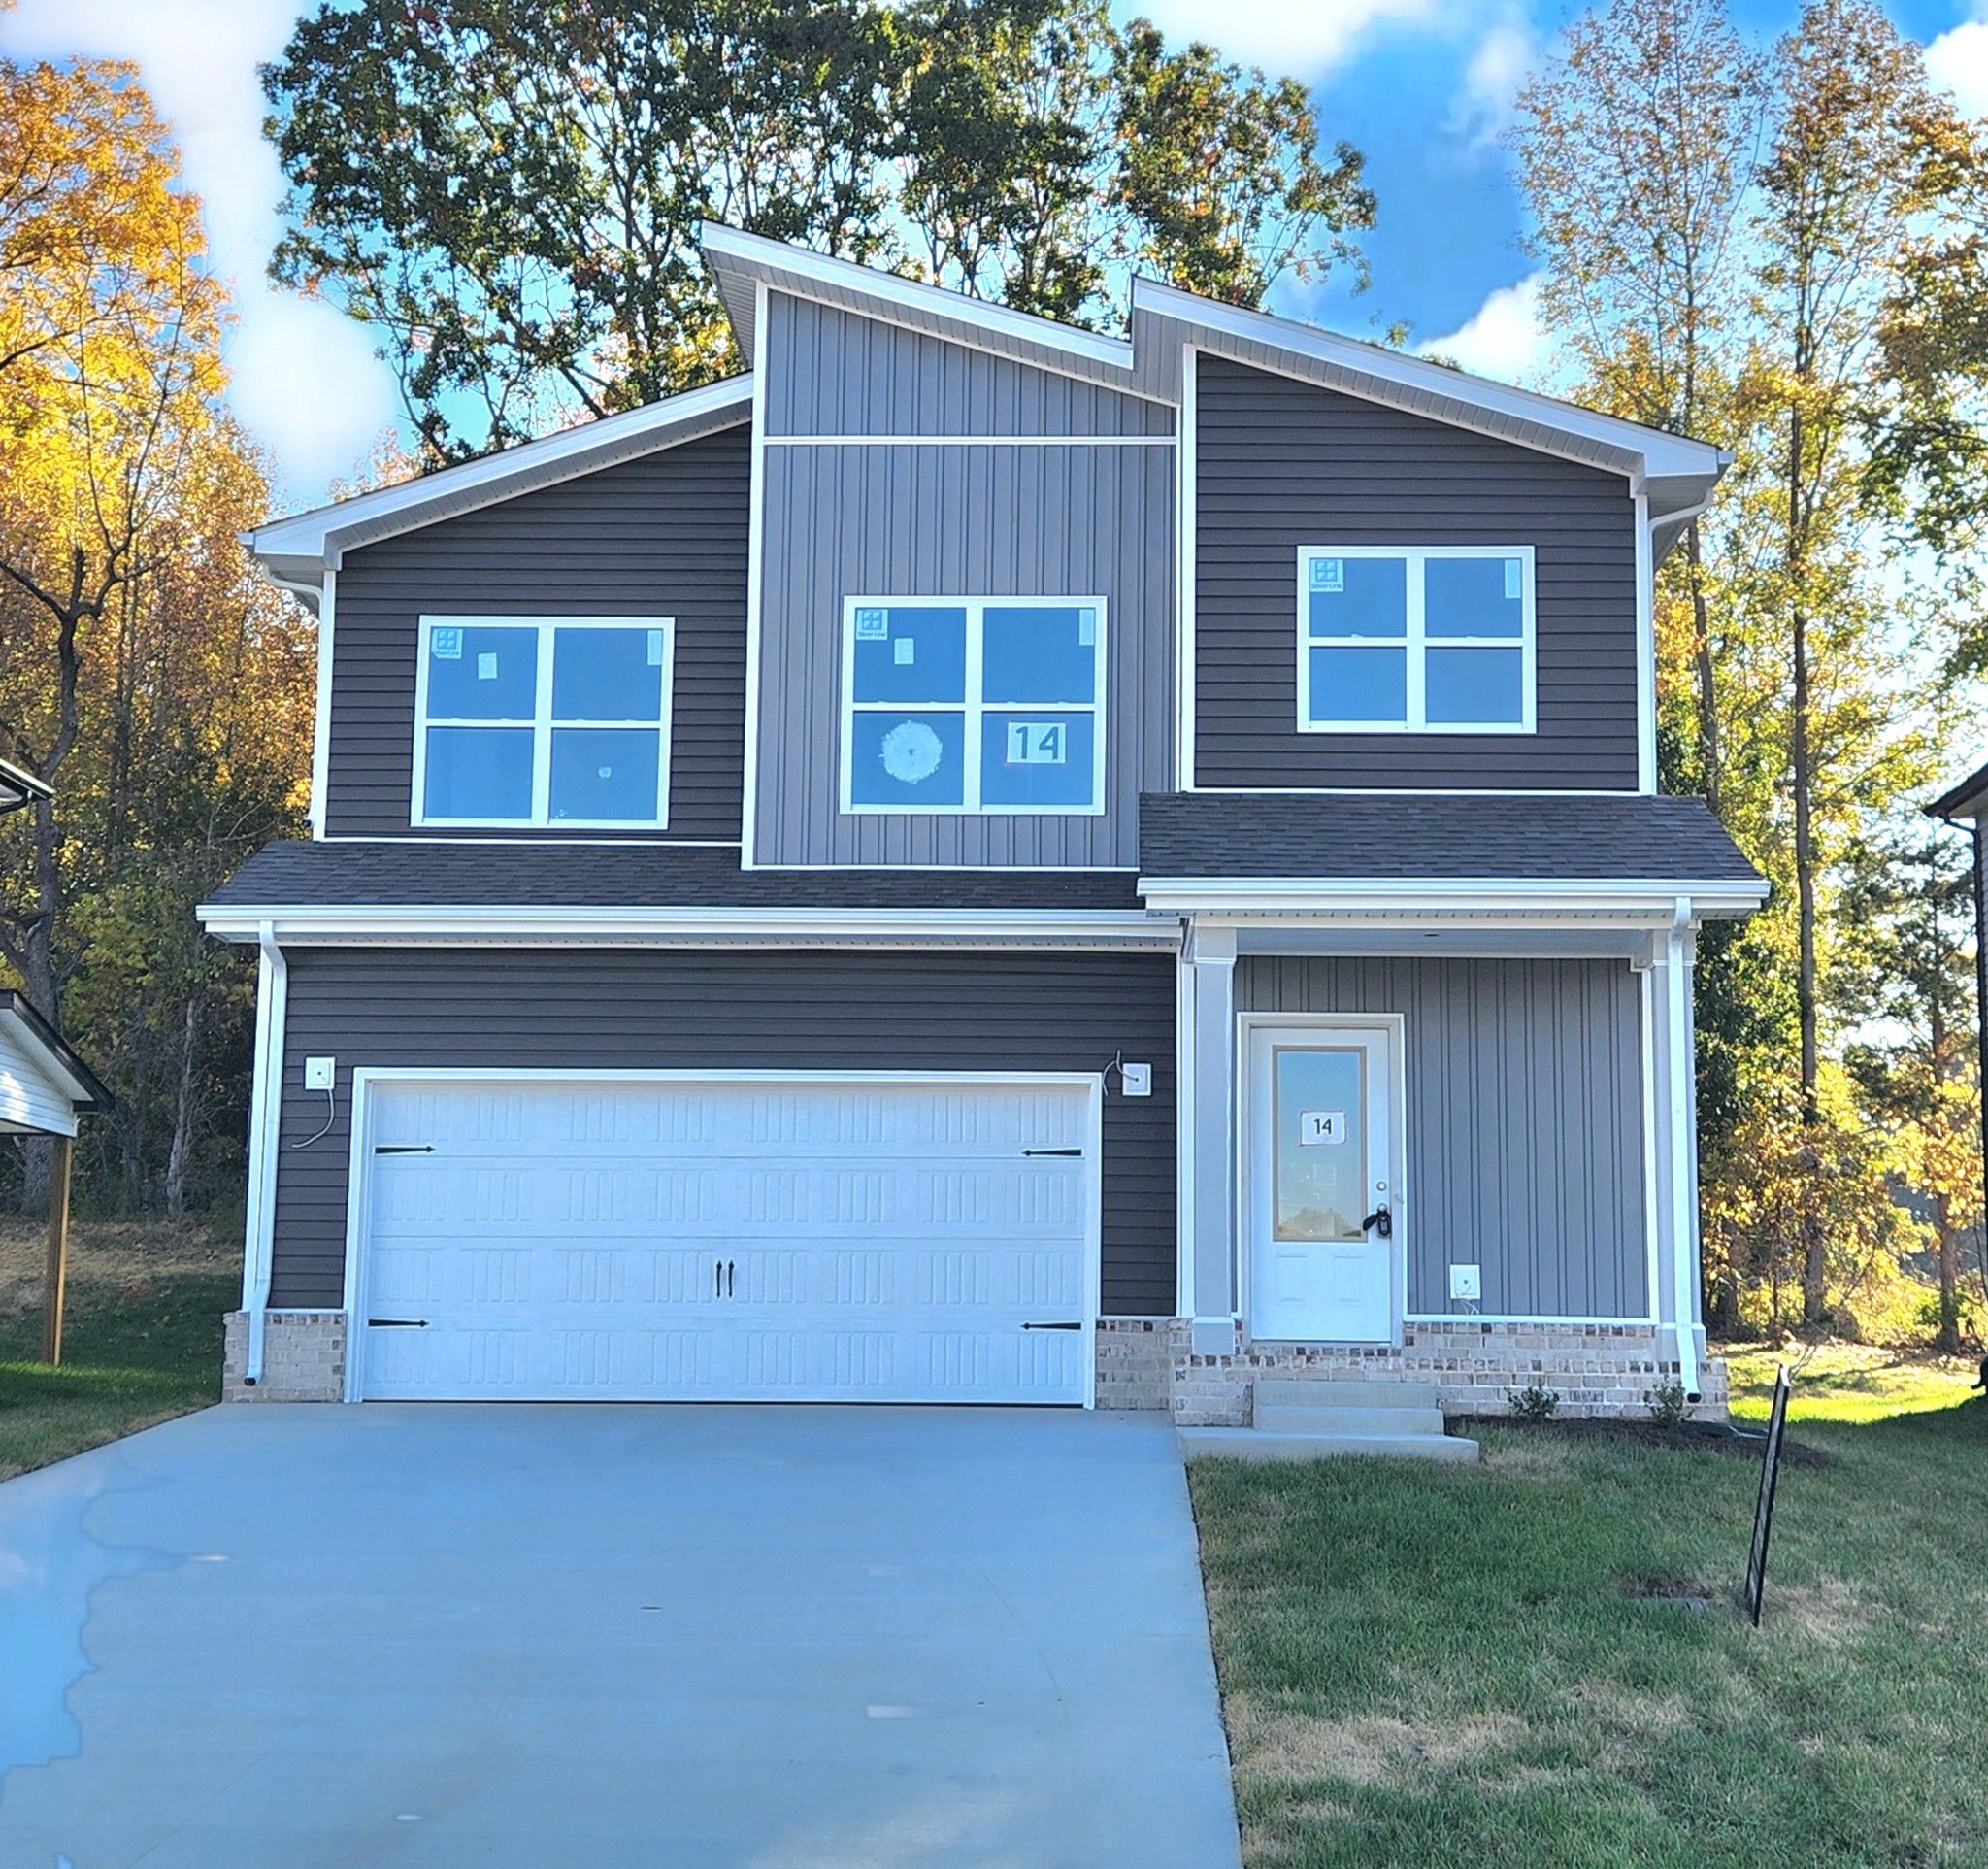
(508, 191)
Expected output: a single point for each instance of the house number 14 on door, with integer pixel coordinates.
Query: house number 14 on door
(1315, 1126)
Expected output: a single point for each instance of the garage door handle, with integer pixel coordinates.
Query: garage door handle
(1070, 1326)
(1052, 1152)
(403, 1148)
(396, 1324)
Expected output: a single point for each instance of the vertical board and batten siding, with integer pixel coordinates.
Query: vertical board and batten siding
(950, 519)
(833, 372)
(666, 535)
(1525, 1145)
(568, 1009)
(1282, 464)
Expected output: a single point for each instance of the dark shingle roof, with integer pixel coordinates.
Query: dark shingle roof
(410, 873)
(1615, 838)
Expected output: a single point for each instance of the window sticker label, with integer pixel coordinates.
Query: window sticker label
(1512, 578)
(655, 648)
(1037, 743)
(1086, 629)
(873, 625)
(1317, 1126)
(911, 752)
(1329, 574)
(446, 644)
(486, 665)
(903, 652)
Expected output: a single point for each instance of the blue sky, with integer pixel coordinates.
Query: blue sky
(1422, 87)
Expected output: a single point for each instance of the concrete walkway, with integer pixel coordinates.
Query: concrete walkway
(701, 1638)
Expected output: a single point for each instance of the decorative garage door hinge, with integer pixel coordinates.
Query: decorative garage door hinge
(1052, 1152)
(396, 1324)
(403, 1148)
(1058, 1326)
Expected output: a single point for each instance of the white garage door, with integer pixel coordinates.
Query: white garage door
(759, 1240)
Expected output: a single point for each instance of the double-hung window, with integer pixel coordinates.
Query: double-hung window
(973, 704)
(557, 721)
(1415, 639)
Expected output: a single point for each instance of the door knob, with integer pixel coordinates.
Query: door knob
(1381, 1221)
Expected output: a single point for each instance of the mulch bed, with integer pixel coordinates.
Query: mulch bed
(1709, 1439)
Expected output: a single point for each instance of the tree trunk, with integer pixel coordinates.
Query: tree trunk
(182, 1150)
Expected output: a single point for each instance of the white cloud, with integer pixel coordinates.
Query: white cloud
(1300, 36)
(1491, 84)
(1958, 62)
(305, 381)
(1502, 340)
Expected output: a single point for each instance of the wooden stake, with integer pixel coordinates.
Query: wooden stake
(56, 1270)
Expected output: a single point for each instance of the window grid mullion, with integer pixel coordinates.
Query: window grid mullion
(976, 703)
(542, 732)
(1416, 708)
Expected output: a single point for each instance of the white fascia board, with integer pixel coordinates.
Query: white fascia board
(1434, 390)
(1311, 899)
(908, 302)
(22, 1048)
(296, 549)
(391, 923)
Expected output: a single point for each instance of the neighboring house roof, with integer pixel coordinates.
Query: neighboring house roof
(407, 874)
(20, 786)
(1675, 473)
(1968, 799)
(1557, 841)
(44, 1085)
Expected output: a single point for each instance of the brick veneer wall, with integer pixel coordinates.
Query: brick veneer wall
(303, 1358)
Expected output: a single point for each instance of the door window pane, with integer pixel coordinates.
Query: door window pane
(910, 653)
(1474, 597)
(1319, 1142)
(611, 773)
(606, 674)
(1475, 687)
(1039, 653)
(1360, 685)
(478, 772)
(1359, 596)
(908, 758)
(1037, 758)
(482, 673)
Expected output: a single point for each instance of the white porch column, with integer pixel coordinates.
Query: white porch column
(1209, 1279)
(1673, 1155)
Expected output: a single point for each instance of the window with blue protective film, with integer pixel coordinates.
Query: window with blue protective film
(479, 772)
(483, 673)
(1473, 686)
(609, 773)
(909, 652)
(908, 758)
(1358, 596)
(1039, 654)
(1034, 757)
(608, 674)
(1474, 597)
(1360, 685)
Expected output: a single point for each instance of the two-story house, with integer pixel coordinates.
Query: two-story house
(985, 862)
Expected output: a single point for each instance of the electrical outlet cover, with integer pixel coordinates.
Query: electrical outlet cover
(1465, 1282)
(1137, 1080)
(319, 1073)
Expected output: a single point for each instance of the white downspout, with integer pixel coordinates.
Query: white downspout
(1684, 1184)
(265, 1124)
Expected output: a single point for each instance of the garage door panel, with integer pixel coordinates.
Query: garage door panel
(634, 1241)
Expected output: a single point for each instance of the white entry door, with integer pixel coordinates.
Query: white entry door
(1324, 1229)
(782, 1239)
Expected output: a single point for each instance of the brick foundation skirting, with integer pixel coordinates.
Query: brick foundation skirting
(303, 1358)
(1595, 1369)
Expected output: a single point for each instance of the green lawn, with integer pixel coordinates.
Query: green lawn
(143, 1341)
(1849, 1383)
(1434, 1666)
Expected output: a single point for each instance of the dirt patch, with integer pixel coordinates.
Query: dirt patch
(1648, 1434)
(1268, 1743)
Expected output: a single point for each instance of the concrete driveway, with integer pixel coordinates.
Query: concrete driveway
(774, 1638)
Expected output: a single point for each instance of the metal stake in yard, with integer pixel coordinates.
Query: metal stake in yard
(1764, 1507)
(56, 1269)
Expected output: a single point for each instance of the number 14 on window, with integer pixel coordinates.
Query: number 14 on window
(1036, 742)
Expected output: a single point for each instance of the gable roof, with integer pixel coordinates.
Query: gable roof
(19, 786)
(1968, 799)
(44, 1085)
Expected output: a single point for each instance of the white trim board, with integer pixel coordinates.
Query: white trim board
(1254, 896)
(969, 441)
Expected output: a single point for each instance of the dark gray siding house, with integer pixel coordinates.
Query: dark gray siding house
(982, 862)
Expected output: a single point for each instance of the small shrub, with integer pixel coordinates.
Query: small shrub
(1532, 1403)
(1667, 1404)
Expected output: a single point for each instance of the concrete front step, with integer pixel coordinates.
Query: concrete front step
(1336, 1420)
(1317, 1391)
(1254, 1443)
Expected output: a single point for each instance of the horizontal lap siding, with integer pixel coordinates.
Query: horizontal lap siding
(665, 535)
(1282, 464)
(1524, 1083)
(832, 372)
(567, 1008)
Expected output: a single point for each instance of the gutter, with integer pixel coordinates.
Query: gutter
(265, 1126)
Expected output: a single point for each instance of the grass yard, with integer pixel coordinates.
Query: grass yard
(1432, 1665)
(143, 1341)
(1849, 1383)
